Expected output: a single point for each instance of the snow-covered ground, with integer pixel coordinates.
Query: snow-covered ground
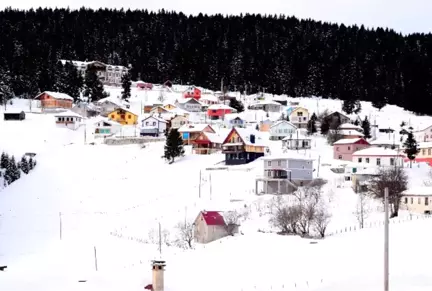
(82, 197)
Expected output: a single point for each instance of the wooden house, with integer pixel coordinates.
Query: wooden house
(68, 119)
(54, 100)
(299, 116)
(192, 92)
(336, 118)
(178, 121)
(218, 111)
(159, 109)
(190, 132)
(169, 106)
(243, 146)
(208, 142)
(124, 116)
(11, 114)
(210, 226)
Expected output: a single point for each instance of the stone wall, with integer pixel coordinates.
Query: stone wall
(131, 140)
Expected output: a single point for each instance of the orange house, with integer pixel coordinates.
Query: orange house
(192, 92)
(53, 100)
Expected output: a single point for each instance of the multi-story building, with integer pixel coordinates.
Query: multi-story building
(108, 74)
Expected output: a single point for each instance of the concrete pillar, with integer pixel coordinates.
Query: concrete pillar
(279, 186)
(158, 269)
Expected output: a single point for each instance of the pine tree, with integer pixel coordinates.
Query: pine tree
(325, 126)
(174, 146)
(12, 172)
(356, 122)
(314, 117)
(4, 161)
(31, 164)
(24, 165)
(287, 118)
(366, 127)
(5, 86)
(93, 88)
(236, 104)
(72, 81)
(348, 106)
(411, 147)
(257, 127)
(126, 85)
(357, 107)
(311, 127)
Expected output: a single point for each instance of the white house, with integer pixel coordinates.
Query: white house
(153, 126)
(211, 225)
(106, 127)
(178, 121)
(281, 129)
(350, 126)
(189, 104)
(424, 135)
(379, 156)
(267, 106)
(208, 99)
(68, 119)
(108, 105)
(297, 140)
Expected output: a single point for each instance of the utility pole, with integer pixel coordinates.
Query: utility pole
(319, 162)
(160, 241)
(199, 185)
(386, 239)
(210, 182)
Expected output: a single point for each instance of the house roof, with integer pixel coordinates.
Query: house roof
(282, 121)
(419, 191)
(337, 112)
(209, 97)
(297, 135)
(155, 117)
(106, 120)
(266, 102)
(288, 156)
(349, 132)
(187, 100)
(349, 140)
(13, 111)
(219, 106)
(125, 109)
(213, 218)
(245, 134)
(297, 108)
(68, 114)
(424, 145)
(217, 137)
(56, 95)
(375, 151)
(386, 141)
(350, 126)
(196, 127)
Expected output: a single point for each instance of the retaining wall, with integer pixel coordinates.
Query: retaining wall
(131, 140)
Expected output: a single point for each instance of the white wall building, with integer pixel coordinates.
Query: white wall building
(379, 157)
(68, 119)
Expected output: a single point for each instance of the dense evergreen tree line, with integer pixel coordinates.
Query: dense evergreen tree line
(11, 170)
(252, 52)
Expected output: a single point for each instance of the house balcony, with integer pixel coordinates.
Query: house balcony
(275, 175)
(233, 148)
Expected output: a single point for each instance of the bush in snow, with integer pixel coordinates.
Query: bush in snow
(10, 170)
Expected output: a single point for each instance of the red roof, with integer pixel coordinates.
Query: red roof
(149, 287)
(213, 218)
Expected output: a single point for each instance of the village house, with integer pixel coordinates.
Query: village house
(143, 85)
(153, 126)
(361, 178)
(189, 104)
(264, 125)
(169, 106)
(283, 174)
(417, 200)
(86, 110)
(190, 132)
(147, 107)
(233, 120)
(336, 118)
(192, 92)
(158, 110)
(297, 141)
(124, 116)
(243, 146)
(68, 119)
(344, 149)
(299, 116)
(104, 127)
(384, 142)
(107, 105)
(108, 74)
(218, 111)
(281, 129)
(208, 99)
(425, 153)
(208, 143)
(178, 121)
(54, 100)
(380, 157)
(267, 106)
(13, 114)
(282, 100)
(210, 226)
(348, 130)
(424, 135)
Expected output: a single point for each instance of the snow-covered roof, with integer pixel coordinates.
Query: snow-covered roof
(218, 137)
(385, 141)
(297, 135)
(196, 127)
(68, 114)
(246, 133)
(56, 95)
(105, 119)
(349, 132)
(209, 97)
(266, 102)
(220, 106)
(350, 126)
(424, 145)
(178, 111)
(367, 171)
(112, 100)
(288, 156)
(154, 117)
(375, 151)
(282, 121)
(347, 141)
(187, 100)
(13, 111)
(419, 191)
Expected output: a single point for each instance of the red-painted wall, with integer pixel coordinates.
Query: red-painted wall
(218, 112)
(195, 93)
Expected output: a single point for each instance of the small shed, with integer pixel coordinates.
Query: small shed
(14, 115)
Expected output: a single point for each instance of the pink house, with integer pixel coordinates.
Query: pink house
(343, 149)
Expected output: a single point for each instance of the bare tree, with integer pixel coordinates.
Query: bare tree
(321, 219)
(396, 180)
(428, 181)
(333, 136)
(307, 200)
(231, 222)
(362, 209)
(286, 219)
(323, 115)
(185, 234)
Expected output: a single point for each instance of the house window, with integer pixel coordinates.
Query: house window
(367, 160)
(392, 161)
(279, 163)
(112, 116)
(340, 157)
(412, 200)
(129, 116)
(419, 200)
(426, 200)
(147, 123)
(378, 162)
(429, 152)
(269, 163)
(349, 148)
(359, 160)
(406, 200)
(299, 113)
(154, 123)
(423, 152)
(337, 149)
(268, 174)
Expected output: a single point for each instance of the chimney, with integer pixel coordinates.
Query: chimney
(158, 269)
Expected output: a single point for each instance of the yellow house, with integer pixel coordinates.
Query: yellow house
(417, 200)
(169, 106)
(299, 116)
(123, 116)
(425, 153)
(159, 109)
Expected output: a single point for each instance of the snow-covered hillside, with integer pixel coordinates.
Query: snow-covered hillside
(84, 198)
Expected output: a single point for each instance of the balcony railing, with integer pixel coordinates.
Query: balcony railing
(233, 148)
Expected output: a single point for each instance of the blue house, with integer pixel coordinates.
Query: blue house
(235, 121)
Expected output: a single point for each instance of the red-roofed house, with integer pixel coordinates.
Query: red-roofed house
(210, 226)
(343, 149)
